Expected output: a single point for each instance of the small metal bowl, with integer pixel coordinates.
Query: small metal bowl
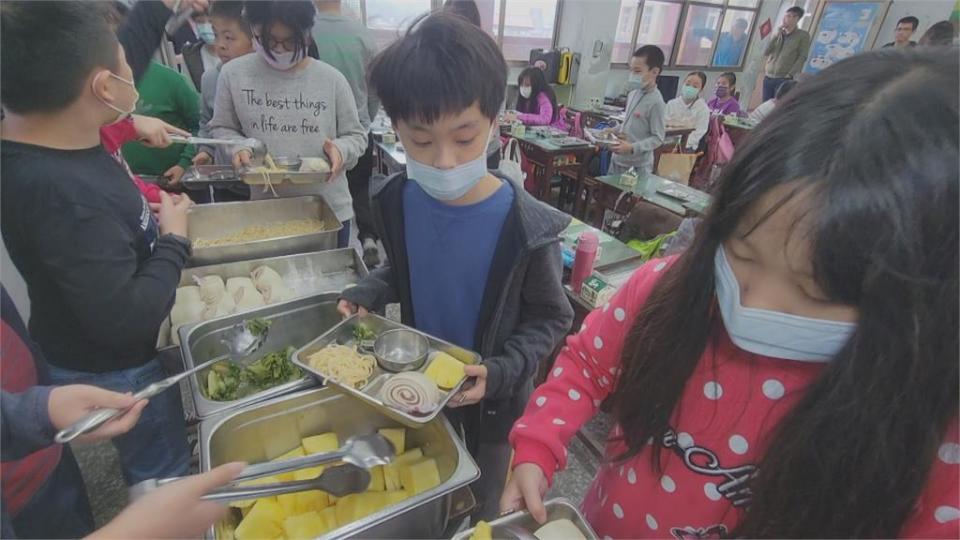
(401, 350)
(291, 164)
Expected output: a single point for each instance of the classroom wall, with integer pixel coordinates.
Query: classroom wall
(585, 21)
(928, 11)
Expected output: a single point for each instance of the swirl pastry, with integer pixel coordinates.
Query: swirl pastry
(411, 391)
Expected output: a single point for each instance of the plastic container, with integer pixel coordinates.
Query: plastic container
(587, 246)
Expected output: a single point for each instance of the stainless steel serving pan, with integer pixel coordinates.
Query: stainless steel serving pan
(294, 323)
(343, 334)
(211, 221)
(269, 429)
(556, 509)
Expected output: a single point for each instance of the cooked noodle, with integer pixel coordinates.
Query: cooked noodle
(343, 364)
(264, 231)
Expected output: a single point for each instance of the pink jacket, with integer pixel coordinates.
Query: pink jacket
(543, 116)
(730, 405)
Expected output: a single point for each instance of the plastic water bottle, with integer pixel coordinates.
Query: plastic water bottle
(587, 246)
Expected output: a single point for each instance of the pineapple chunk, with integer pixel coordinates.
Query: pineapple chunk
(307, 501)
(326, 442)
(259, 481)
(295, 453)
(445, 370)
(264, 521)
(329, 515)
(482, 531)
(397, 436)
(288, 503)
(419, 476)
(345, 509)
(376, 479)
(306, 526)
(391, 472)
(393, 497)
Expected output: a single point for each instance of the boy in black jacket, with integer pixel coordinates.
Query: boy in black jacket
(101, 270)
(472, 260)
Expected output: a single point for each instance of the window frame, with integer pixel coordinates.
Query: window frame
(671, 62)
(436, 5)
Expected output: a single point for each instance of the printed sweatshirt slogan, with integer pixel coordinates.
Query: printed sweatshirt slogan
(293, 113)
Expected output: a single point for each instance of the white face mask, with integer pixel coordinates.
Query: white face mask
(772, 333)
(448, 184)
(525, 91)
(122, 113)
(284, 61)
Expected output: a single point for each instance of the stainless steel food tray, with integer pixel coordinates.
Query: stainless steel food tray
(556, 509)
(278, 177)
(336, 268)
(294, 323)
(205, 176)
(269, 429)
(343, 334)
(219, 219)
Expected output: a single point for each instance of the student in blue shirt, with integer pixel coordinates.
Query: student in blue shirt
(472, 260)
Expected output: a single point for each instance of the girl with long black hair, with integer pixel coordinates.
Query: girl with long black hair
(536, 102)
(794, 374)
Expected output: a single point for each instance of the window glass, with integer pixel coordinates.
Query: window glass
(734, 35)
(527, 24)
(699, 33)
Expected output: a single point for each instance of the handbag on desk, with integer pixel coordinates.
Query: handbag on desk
(676, 165)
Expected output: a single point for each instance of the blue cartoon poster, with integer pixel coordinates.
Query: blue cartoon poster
(842, 33)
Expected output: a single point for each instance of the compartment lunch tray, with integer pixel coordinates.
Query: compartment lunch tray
(342, 334)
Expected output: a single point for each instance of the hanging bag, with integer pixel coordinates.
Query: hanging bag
(676, 165)
(511, 164)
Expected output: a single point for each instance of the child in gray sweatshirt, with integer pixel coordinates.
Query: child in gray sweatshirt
(298, 106)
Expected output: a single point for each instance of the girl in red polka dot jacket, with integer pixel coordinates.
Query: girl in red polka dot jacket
(794, 373)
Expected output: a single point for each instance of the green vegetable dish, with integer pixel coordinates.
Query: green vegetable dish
(227, 381)
(362, 333)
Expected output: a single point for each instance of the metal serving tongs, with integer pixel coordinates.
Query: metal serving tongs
(257, 146)
(240, 343)
(360, 453)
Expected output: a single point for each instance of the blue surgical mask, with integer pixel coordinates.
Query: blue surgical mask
(448, 184)
(205, 32)
(772, 333)
(689, 93)
(635, 81)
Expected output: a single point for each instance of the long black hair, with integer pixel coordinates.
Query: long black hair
(297, 15)
(873, 143)
(538, 84)
(465, 8)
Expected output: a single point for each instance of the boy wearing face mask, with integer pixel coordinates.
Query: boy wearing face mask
(101, 270)
(472, 260)
(689, 110)
(201, 55)
(643, 128)
(298, 106)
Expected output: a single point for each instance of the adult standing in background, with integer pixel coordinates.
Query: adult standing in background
(786, 53)
(904, 31)
(348, 46)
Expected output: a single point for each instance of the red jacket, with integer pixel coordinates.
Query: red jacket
(113, 136)
(729, 407)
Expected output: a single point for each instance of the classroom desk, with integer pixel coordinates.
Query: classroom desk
(608, 192)
(738, 129)
(548, 160)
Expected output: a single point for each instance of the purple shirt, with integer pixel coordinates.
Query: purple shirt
(730, 107)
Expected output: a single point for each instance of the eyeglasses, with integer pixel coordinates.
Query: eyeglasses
(288, 45)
